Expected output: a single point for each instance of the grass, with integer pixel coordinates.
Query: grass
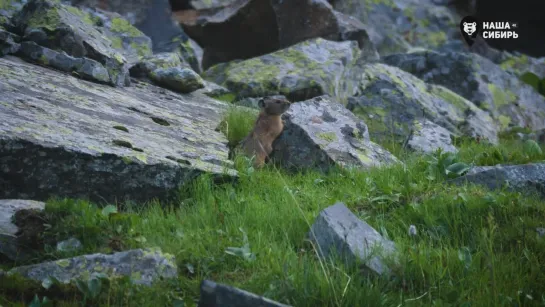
(473, 248)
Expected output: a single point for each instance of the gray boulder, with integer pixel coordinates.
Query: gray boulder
(427, 137)
(338, 232)
(143, 266)
(275, 24)
(67, 137)
(219, 295)
(67, 29)
(300, 72)
(148, 64)
(389, 99)
(528, 178)
(9, 245)
(509, 101)
(321, 132)
(178, 79)
(396, 25)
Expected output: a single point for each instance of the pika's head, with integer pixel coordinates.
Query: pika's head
(274, 105)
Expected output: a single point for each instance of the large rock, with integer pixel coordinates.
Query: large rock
(390, 99)
(9, 246)
(510, 101)
(63, 136)
(303, 71)
(9, 42)
(396, 25)
(274, 25)
(321, 132)
(152, 17)
(7, 9)
(66, 30)
(142, 266)
(219, 295)
(523, 178)
(428, 137)
(337, 231)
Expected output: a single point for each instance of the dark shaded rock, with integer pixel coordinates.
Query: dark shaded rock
(10, 246)
(428, 137)
(529, 178)
(9, 42)
(66, 29)
(389, 99)
(510, 101)
(182, 80)
(219, 295)
(321, 132)
(303, 71)
(84, 68)
(7, 9)
(395, 26)
(250, 28)
(338, 232)
(143, 266)
(137, 143)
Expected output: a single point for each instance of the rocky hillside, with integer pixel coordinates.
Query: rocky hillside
(126, 103)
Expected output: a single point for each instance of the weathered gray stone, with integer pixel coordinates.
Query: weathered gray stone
(7, 9)
(126, 39)
(9, 42)
(428, 137)
(9, 246)
(64, 28)
(509, 101)
(69, 245)
(275, 25)
(84, 68)
(213, 90)
(338, 232)
(321, 132)
(147, 65)
(395, 26)
(143, 266)
(523, 178)
(178, 79)
(64, 136)
(303, 71)
(389, 99)
(219, 295)
(540, 232)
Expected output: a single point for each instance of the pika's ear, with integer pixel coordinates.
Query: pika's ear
(261, 103)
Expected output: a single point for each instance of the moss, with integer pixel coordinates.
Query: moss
(121, 25)
(327, 136)
(500, 96)
(141, 49)
(451, 97)
(228, 97)
(63, 263)
(435, 38)
(514, 63)
(48, 19)
(85, 17)
(117, 42)
(122, 128)
(504, 121)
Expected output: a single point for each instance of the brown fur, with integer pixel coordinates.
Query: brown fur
(267, 128)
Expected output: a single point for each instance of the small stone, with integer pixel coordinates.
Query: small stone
(183, 80)
(69, 245)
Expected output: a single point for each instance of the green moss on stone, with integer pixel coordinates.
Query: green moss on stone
(327, 136)
(121, 25)
(500, 96)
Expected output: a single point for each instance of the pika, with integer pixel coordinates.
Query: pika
(267, 128)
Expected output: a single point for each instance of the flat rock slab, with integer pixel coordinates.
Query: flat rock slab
(218, 295)
(523, 178)
(321, 132)
(63, 136)
(337, 231)
(8, 230)
(143, 266)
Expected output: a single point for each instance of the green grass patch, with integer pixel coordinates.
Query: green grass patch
(473, 247)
